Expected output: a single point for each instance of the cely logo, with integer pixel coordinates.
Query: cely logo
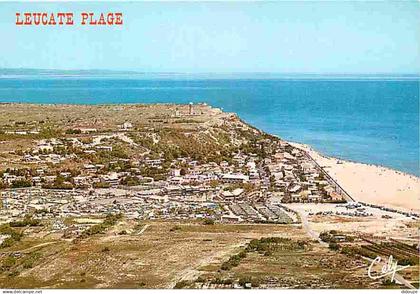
(390, 268)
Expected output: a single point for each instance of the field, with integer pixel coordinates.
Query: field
(292, 266)
(168, 254)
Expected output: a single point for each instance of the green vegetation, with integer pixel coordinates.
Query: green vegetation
(154, 172)
(264, 246)
(175, 143)
(8, 263)
(248, 280)
(102, 185)
(219, 281)
(130, 181)
(109, 221)
(175, 228)
(49, 132)
(73, 131)
(23, 183)
(334, 237)
(388, 282)
(334, 246)
(3, 185)
(181, 285)
(403, 253)
(15, 236)
(267, 245)
(208, 221)
(409, 261)
(27, 221)
(351, 251)
(59, 183)
(30, 260)
(233, 261)
(186, 121)
(326, 237)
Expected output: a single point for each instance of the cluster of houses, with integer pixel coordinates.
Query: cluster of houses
(292, 174)
(236, 190)
(144, 204)
(259, 212)
(300, 179)
(56, 206)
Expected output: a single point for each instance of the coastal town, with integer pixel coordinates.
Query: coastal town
(249, 185)
(74, 171)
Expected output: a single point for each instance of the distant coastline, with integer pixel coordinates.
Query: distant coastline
(103, 73)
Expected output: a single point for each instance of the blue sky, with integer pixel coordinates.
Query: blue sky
(317, 37)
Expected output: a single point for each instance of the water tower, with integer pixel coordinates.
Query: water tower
(190, 108)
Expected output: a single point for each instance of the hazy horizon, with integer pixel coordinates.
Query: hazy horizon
(21, 70)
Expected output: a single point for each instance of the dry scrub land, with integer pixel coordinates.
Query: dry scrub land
(157, 254)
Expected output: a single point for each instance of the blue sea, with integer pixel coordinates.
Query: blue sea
(369, 120)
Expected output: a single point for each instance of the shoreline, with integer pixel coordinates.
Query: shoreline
(313, 149)
(370, 183)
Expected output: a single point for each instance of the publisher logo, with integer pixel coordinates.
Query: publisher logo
(390, 268)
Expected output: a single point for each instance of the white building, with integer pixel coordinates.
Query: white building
(234, 178)
(126, 126)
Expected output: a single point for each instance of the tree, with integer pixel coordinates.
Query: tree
(3, 185)
(208, 221)
(21, 183)
(181, 284)
(130, 181)
(9, 262)
(334, 246)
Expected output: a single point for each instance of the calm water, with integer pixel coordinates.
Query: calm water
(371, 121)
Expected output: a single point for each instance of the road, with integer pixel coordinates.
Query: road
(27, 250)
(143, 229)
(305, 225)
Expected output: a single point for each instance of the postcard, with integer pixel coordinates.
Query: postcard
(209, 145)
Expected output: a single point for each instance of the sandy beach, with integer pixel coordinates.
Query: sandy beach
(370, 183)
